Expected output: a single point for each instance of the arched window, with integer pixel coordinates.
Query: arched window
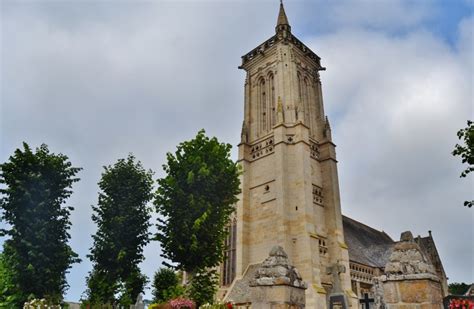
(300, 114)
(229, 265)
(263, 106)
(272, 107)
(306, 98)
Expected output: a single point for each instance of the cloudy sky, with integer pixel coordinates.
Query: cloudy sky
(98, 79)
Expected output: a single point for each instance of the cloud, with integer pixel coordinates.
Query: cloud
(387, 15)
(397, 104)
(97, 80)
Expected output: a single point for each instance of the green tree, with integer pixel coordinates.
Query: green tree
(466, 151)
(9, 296)
(122, 217)
(36, 255)
(166, 285)
(203, 286)
(456, 288)
(195, 200)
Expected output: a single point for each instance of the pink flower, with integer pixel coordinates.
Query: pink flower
(179, 303)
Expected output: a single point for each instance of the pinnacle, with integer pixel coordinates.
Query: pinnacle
(282, 19)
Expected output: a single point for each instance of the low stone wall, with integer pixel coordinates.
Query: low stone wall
(415, 293)
(277, 297)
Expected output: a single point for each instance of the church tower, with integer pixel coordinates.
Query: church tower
(290, 187)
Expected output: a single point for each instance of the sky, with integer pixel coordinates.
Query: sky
(96, 80)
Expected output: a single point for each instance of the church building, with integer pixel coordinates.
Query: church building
(290, 189)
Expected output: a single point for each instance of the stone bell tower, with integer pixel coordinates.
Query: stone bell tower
(290, 187)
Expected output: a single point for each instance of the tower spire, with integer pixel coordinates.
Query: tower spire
(282, 21)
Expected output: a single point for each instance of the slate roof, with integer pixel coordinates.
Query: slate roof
(367, 246)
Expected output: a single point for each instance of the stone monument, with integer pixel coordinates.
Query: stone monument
(277, 284)
(337, 298)
(410, 280)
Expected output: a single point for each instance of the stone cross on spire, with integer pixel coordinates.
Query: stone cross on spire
(282, 22)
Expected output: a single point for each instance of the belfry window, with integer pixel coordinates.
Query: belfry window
(229, 265)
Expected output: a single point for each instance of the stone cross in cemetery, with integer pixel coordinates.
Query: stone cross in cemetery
(366, 301)
(337, 298)
(335, 270)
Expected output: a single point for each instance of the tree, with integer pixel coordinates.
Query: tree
(9, 296)
(203, 286)
(456, 288)
(122, 217)
(166, 285)
(37, 255)
(466, 151)
(195, 200)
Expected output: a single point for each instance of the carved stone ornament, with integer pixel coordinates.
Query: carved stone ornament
(276, 270)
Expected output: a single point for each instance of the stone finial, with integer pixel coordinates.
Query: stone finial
(406, 236)
(244, 133)
(276, 270)
(327, 129)
(408, 259)
(278, 251)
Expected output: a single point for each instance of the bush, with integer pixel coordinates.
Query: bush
(182, 303)
(159, 306)
(40, 303)
(166, 285)
(89, 305)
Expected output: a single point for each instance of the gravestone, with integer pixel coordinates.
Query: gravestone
(337, 297)
(277, 284)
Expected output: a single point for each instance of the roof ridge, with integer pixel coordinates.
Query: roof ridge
(369, 227)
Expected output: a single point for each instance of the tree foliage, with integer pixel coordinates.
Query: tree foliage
(466, 151)
(195, 200)
(36, 255)
(9, 295)
(457, 288)
(203, 286)
(122, 217)
(166, 285)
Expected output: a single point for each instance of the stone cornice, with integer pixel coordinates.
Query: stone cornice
(260, 50)
(431, 277)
